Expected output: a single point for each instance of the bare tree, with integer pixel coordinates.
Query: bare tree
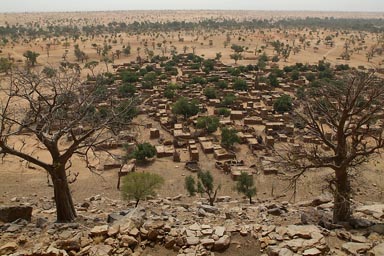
(52, 106)
(342, 116)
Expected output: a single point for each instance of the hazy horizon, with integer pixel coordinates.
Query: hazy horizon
(116, 5)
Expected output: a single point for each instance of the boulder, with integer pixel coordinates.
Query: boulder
(68, 245)
(219, 231)
(378, 250)
(222, 244)
(99, 230)
(192, 240)
(356, 248)
(312, 252)
(129, 240)
(101, 250)
(8, 248)
(210, 209)
(12, 213)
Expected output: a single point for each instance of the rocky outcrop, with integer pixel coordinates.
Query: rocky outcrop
(12, 213)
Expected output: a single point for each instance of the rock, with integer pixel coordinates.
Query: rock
(134, 219)
(219, 231)
(101, 250)
(41, 222)
(378, 250)
(312, 252)
(304, 231)
(210, 209)
(112, 217)
(356, 248)
(8, 248)
(192, 240)
(99, 230)
(322, 199)
(207, 242)
(207, 231)
(114, 230)
(195, 227)
(12, 213)
(222, 244)
(359, 223)
(134, 232)
(223, 199)
(359, 239)
(371, 209)
(378, 228)
(275, 211)
(152, 235)
(169, 242)
(68, 245)
(343, 235)
(129, 240)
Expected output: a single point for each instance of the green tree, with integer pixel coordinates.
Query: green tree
(208, 123)
(5, 65)
(143, 151)
(190, 185)
(245, 185)
(140, 185)
(223, 112)
(283, 104)
(210, 93)
(31, 57)
(229, 137)
(236, 57)
(240, 85)
(185, 107)
(222, 84)
(204, 185)
(228, 100)
(126, 90)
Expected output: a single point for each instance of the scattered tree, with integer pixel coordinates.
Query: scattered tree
(245, 185)
(229, 137)
(31, 57)
(343, 116)
(283, 104)
(51, 106)
(140, 185)
(143, 151)
(208, 123)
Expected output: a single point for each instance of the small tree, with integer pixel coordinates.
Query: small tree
(210, 93)
(283, 104)
(204, 185)
(143, 151)
(31, 57)
(240, 85)
(245, 185)
(126, 90)
(190, 185)
(236, 57)
(5, 65)
(208, 123)
(229, 137)
(185, 107)
(140, 185)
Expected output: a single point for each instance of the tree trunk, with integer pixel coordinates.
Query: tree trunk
(64, 204)
(342, 204)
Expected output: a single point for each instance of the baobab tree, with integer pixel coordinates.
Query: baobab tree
(52, 106)
(343, 115)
